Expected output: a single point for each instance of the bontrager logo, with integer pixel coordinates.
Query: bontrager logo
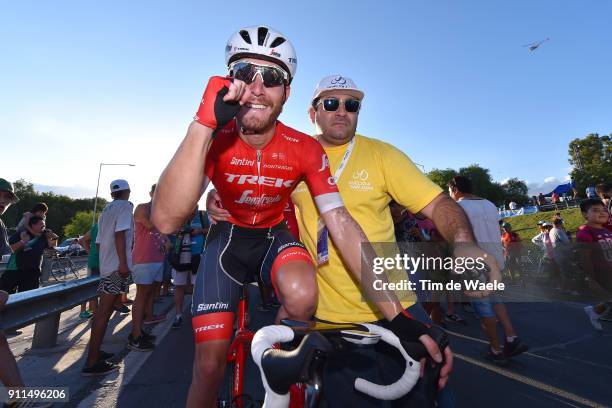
(291, 139)
(202, 307)
(278, 167)
(255, 180)
(209, 327)
(242, 162)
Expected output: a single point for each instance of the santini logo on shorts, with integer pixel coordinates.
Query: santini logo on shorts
(202, 307)
(255, 180)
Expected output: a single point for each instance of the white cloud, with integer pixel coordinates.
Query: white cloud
(544, 187)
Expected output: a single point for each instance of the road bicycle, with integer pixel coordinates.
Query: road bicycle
(301, 370)
(62, 265)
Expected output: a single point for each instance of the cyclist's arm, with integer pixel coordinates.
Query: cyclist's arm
(183, 181)
(356, 251)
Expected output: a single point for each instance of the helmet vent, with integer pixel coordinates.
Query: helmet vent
(277, 41)
(262, 32)
(245, 36)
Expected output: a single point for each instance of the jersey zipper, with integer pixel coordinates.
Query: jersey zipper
(258, 184)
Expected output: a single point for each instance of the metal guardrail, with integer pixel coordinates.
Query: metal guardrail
(77, 260)
(44, 306)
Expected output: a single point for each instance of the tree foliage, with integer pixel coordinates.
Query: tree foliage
(484, 186)
(61, 208)
(79, 224)
(592, 160)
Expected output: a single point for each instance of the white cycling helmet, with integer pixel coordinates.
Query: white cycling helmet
(262, 42)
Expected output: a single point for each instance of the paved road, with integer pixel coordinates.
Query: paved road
(569, 364)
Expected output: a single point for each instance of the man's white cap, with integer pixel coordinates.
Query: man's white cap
(541, 222)
(119, 185)
(337, 83)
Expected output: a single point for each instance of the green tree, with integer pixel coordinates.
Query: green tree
(592, 160)
(79, 224)
(441, 177)
(515, 190)
(482, 183)
(61, 208)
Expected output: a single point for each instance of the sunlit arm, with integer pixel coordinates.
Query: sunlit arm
(359, 255)
(182, 182)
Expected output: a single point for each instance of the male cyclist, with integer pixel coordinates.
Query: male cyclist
(255, 162)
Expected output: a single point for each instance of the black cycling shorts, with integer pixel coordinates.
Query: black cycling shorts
(235, 256)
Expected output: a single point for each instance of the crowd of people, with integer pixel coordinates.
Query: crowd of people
(339, 192)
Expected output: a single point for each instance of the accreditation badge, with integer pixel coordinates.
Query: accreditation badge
(322, 243)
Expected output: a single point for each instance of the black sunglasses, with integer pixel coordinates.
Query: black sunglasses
(247, 71)
(332, 104)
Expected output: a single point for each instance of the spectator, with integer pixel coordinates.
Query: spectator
(7, 197)
(512, 205)
(555, 198)
(596, 254)
(28, 247)
(541, 199)
(115, 237)
(88, 241)
(39, 209)
(9, 372)
(562, 251)
(604, 191)
(591, 192)
(148, 268)
(512, 249)
(483, 216)
(197, 228)
(534, 200)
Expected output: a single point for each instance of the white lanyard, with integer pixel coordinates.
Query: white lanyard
(345, 160)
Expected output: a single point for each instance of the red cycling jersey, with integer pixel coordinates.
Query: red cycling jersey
(255, 185)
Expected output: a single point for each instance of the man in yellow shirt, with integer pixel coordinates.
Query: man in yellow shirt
(369, 174)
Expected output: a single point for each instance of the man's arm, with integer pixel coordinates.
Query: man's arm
(85, 240)
(181, 184)
(356, 251)
(450, 219)
(454, 225)
(121, 252)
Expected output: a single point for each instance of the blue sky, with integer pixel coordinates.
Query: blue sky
(448, 82)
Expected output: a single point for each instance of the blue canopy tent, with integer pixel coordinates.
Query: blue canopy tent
(563, 188)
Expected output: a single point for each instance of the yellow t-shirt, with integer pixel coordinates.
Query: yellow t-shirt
(375, 174)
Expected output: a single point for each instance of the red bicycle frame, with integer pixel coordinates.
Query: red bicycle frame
(239, 348)
(239, 351)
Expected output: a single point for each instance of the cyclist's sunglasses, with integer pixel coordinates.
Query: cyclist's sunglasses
(332, 104)
(247, 71)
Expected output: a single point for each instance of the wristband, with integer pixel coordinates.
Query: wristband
(407, 328)
(213, 111)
